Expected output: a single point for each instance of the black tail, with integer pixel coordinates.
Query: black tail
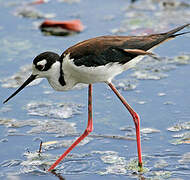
(179, 34)
(172, 32)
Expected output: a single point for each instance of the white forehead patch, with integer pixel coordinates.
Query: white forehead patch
(42, 62)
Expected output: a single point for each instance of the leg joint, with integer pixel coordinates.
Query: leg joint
(88, 131)
(136, 119)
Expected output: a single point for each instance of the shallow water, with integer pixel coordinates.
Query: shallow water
(157, 89)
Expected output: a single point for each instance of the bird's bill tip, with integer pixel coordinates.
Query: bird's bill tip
(28, 81)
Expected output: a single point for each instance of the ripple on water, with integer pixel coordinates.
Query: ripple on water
(100, 162)
(156, 166)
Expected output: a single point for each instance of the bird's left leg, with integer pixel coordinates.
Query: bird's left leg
(136, 120)
(87, 131)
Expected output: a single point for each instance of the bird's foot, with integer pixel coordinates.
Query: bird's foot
(140, 167)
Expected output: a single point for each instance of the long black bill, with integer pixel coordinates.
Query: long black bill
(29, 80)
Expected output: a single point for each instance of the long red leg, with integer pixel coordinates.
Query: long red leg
(136, 120)
(87, 131)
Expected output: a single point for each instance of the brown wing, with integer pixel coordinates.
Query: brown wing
(105, 49)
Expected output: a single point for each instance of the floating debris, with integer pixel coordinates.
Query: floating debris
(182, 60)
(161, 94)
(36, 163)
(61, 28)
(31, 12)
(49, 143)
(130, 131)
(142, 102)
(117, 164)
(3, 140)
(6, 121)
(169, 103)
(126, 84)
(104, 136)
(57, 127)
(53, 110)
(23, 123)
(180, 126)
(112, 157)
(144, 131)
(183, 138)
(149, 130)
(172, 5)
(147, 75)
(63, 143)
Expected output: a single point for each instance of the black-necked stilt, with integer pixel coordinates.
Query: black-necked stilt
(98, 59)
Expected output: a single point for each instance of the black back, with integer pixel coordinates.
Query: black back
(109, 49)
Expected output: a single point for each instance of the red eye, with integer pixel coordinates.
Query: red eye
(40, 67)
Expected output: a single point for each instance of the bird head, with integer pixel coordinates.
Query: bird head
(41, 67)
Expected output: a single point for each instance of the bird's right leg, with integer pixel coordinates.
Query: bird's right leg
(87, 131)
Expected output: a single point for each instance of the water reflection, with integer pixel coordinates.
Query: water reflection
(58, 175)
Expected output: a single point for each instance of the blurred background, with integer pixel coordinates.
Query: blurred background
(157, 89)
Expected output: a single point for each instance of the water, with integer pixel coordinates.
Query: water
(158, 91)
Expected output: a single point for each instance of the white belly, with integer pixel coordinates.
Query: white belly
(88, 75)
(104, 73)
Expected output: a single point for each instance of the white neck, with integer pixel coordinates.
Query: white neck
(53, 78)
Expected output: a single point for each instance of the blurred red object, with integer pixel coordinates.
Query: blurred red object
(38, 2)
(73, 25)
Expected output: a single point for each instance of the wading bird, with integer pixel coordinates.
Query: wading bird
(95, 60)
